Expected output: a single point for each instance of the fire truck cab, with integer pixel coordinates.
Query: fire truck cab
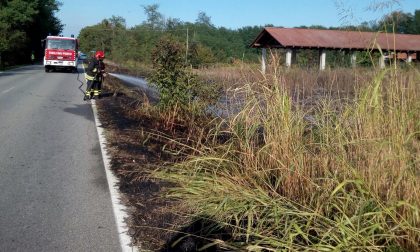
(60, 53)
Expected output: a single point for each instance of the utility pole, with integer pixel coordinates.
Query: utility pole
(186, 51)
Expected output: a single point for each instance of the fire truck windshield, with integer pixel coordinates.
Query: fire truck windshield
(65, 44)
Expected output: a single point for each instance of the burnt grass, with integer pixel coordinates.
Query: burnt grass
(156, 222)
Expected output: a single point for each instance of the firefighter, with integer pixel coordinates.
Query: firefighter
(94, 75)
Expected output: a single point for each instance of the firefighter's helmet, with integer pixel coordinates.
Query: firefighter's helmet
(99, 55)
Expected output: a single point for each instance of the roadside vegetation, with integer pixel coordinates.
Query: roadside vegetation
(293, 160)
(345, 179)
(23, 23)
(309, 161)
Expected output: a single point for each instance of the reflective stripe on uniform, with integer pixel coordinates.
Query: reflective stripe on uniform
(88, 77)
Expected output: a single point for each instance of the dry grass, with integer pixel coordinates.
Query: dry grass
(230, 76)
(130, 67)
(347, 179)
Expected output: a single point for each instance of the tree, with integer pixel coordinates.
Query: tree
(203, 19)
(15, 16)
(415, 27)
(397, 21)
(45, 23)
(173, 23)
(174, 82)
(117, 22)
(23, 23)
(105, 36)
(97, 37)
(200, 55)
(154, 17)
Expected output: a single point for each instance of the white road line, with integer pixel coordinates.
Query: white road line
(7, 90)
(120, 211)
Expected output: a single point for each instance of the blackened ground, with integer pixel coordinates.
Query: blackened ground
(156, 222)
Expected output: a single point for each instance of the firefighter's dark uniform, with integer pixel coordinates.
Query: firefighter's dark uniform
(94, 77)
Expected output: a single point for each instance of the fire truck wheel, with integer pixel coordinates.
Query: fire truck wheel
(47, 70)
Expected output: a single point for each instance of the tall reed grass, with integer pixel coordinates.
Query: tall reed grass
(347, 179)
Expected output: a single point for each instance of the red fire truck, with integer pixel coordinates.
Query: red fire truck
(60, 53)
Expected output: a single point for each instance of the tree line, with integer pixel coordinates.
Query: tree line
(207, 44)
(204, 43)
(23, 23)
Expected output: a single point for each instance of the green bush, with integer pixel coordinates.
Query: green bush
(170, 77)
(177, 85)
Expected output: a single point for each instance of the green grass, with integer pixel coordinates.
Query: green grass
(347, 180)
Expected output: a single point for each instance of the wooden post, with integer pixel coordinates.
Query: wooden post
(263, 60)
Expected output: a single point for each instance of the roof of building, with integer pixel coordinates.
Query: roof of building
(335, 39)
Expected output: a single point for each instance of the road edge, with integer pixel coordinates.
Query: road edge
(120, 211)
(14, 68)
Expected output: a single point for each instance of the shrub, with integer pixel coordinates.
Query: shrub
(180, 89)
(175, 84)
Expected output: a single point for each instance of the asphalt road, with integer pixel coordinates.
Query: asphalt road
(53, 190)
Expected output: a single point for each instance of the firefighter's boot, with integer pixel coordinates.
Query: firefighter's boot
(95, 94)
(87, 96)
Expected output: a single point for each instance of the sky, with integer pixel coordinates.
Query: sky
(233, 14)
